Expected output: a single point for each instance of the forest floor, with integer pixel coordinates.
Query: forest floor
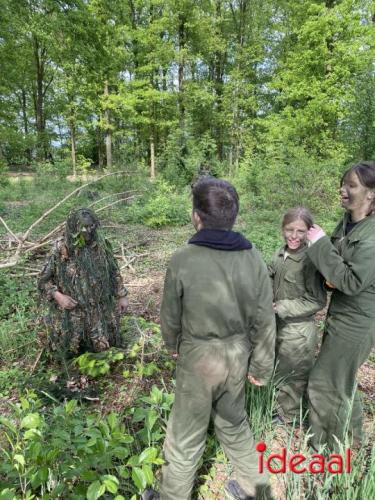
(143, 253)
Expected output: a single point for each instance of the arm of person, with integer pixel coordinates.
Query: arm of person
(121, 294)
(48, 287)
(263, 332)
(271, 267)
(46, 282)
(171, 310)
(351, 276)
(312, 301)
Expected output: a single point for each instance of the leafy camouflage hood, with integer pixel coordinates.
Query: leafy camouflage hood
(81, 229)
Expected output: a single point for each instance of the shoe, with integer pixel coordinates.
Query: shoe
(234, 489)
(150, 494)
(278, 420)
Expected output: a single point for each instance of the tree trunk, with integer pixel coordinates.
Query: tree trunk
(73, 148)
(99, 143)
(108, 132)
(25, 123)
(181, 67)
(24, 114)
(152, 157)
(39, 55)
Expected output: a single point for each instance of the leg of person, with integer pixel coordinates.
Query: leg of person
(295, 359)
(232, 426)
(200, 369)
(356, 421)
(332, 387)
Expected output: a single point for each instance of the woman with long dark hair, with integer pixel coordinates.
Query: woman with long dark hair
(347, 262)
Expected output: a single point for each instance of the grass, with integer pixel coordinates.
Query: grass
(137, 389)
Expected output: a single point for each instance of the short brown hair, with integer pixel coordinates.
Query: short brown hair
(216, 202)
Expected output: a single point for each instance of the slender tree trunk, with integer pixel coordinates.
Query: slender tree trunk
(99, 143)
(152, 157)
(218, 80)
(24, 114)
(181, 68)
(39, 55)
(73, 147)
(23, 103)
(108, 132)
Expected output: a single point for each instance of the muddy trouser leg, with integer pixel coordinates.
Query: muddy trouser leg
(187, 426)
(334, 404)
(295, 359)
(232, 426)
(238, 444)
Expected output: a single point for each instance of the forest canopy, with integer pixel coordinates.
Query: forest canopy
(175, 85)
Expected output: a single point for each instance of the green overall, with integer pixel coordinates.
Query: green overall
(217, 313)
(348, 263)
(298, 293)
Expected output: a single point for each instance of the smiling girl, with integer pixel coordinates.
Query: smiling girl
(298, 295)
(347, 262)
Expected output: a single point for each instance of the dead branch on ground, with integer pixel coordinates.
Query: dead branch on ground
(24, 246)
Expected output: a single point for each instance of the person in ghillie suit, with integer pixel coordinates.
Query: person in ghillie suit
(82, 284)
(217, 321)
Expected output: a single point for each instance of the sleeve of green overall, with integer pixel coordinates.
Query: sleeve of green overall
(352, 276)
(171, 310)
(314, 298)
(271, 268)
(263, 332)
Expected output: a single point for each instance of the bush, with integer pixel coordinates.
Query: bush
(299, 180)
(161, 206)
(4, 181)
(185, 157)
(66, 453)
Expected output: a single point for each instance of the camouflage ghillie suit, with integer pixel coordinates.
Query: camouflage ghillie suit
(82, 266)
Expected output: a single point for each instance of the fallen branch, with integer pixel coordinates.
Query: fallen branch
(9, 230)
(66, 198)
(20, 346)
(111, 196)
(37, 360)
(114, 203)
(30, 247)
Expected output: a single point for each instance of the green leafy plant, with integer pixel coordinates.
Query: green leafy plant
(162, 205)
(67, 453)
(97, 364)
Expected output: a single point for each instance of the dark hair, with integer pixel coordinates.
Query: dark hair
(365, 171)
(216, 202)
(298, 213)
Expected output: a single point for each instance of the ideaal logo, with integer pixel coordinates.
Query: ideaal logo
(279, 463)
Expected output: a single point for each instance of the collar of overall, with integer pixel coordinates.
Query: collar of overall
(220, 239)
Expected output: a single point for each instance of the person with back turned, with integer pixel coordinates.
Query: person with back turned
(217, 321)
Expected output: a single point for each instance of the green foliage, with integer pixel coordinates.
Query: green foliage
(17, 316)
(162, 205)
(67, 453)
(9, 379)
(213, 83)
(278, 182)
(4, 181)
(185, 158)
(97, 364)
